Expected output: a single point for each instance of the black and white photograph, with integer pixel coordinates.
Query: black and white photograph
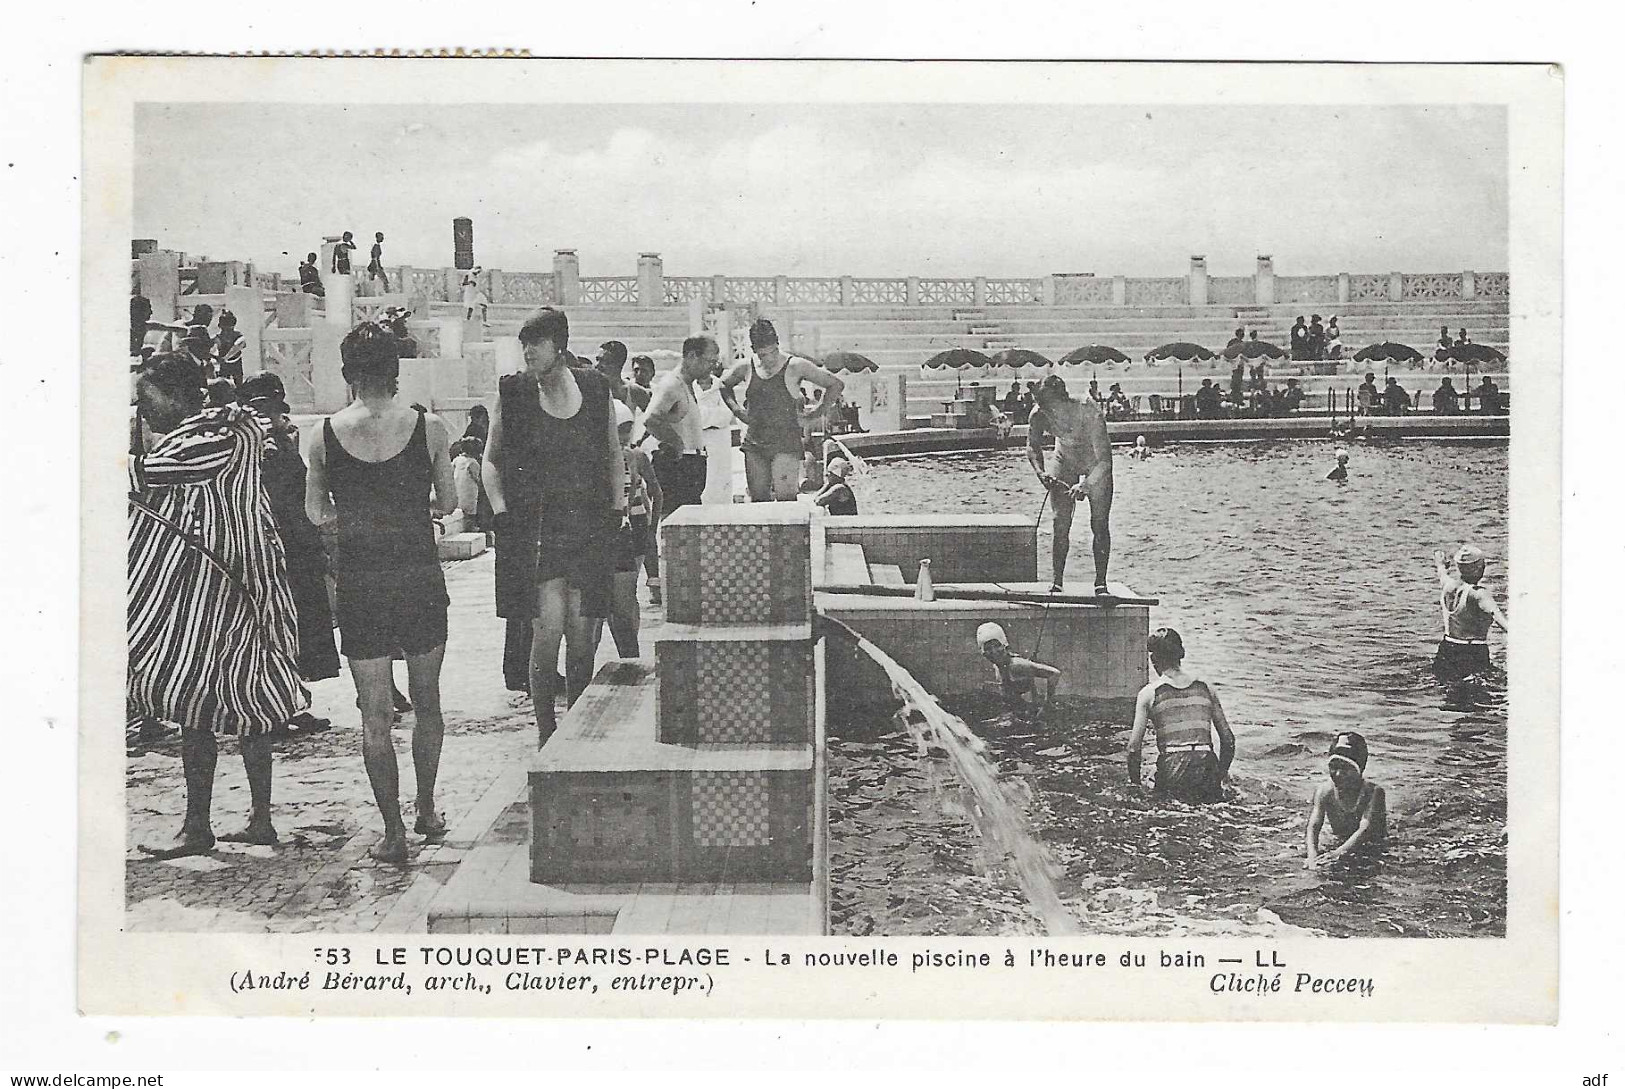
(915, 512)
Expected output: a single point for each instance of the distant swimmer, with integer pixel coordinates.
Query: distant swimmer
(1355, 807)
(1341, 470)
(1185, 712)
(1018, 677)
(1141, 451)
(1082, 468)
(1468, 610)
(836, 496)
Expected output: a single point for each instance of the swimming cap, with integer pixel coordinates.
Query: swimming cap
(838, 467)
(1342, 454)
(991, 633)
(623, 414)
(1350, 747)
(1468, 556)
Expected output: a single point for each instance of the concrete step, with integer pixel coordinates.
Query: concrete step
(844, 565)
(611, 802)
(736, 684)
(887, 574)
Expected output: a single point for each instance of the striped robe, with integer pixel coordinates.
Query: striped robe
(203, 653)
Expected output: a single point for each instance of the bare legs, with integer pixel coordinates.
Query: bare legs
(374, 689)
(1100, 509)
(559, 619)
(624, 619)
(200, 755)
(1064, 507)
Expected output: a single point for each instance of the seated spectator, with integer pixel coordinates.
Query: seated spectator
(1394, 398)
(1441, 351)
(1367, 393)
(1462, 337)
(1299, 340)
(1317, 338)
(1207, 400)
(310, 278)
(1334, 340)
(1292, 396)
(1446, 401)
(228, 347)
(1489, 397)
(1117, 402)
(1237, 340)
(1238, 378)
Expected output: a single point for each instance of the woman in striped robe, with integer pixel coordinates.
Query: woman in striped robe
(212, 634)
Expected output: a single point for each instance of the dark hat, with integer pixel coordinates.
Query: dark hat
(1349, 746)
(1053, 386)
(197, 334)
(265, 386)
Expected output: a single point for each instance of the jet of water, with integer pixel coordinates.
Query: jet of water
(999, 820)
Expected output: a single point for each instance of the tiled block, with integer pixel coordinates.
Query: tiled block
(744, 564)
(735, 686)
(461, 546)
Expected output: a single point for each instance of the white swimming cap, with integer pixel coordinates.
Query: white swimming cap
(839, 467)
(991, 633)
(623, 413)
(1342, 454)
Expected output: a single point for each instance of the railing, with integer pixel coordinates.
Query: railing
(610, 290)
(749, 289)
(681, 290)
(877, 292)
(1024, 292)
(1156, 291)
(1083, 291)
(532, 288)
(1306, 290)
(947, 292)
(287, 352)
(805, 291)
(1232, 290)
(1368, 288)
(1434, 285)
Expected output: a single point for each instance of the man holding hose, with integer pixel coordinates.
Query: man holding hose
(1081, 468)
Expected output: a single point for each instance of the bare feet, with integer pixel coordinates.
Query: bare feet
(185, 846)
(258, 833)
(431, 826)
(389, 850)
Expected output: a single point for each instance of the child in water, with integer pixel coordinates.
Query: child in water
(1141, 451)
(1355, 807)
(1018, 677)
(1341, 471)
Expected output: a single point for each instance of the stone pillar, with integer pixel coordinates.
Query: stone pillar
(719, 289)
(1396, 286)
(296, 310)
(978, 291)
(1342, 289)
(847, 292)
(1049, 291)
(331, 391)
(696, 317)
(912, 295)
(1469, 284)
(340, 298)
(651, 280)
(1119, 290)
(1264, 280)
(1198, 280)
(453, 280)
(161, 283)
(451, 338)
(567, 269)
(496, 286)
(781, 291)
(246, 303)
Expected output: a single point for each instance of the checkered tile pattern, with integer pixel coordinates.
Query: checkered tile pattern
(735, 701)
(731, 809)
(737, 572)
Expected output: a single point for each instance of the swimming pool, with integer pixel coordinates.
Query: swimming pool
(1312, 607)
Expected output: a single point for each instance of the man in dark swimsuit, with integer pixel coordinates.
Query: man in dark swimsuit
(375, 266)
(774, 411)
(1082, 468)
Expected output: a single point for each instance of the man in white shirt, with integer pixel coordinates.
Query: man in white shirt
(674, 420)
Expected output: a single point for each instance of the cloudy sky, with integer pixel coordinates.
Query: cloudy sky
(829, 190)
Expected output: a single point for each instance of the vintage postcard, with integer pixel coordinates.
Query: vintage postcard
(820, 539)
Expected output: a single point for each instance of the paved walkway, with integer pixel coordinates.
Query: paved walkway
(320, 877)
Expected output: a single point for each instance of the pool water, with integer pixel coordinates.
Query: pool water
(1312, 608)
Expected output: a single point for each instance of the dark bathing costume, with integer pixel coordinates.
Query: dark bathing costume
(1187, 768)
(561, 521)
(775, 426)
(391, 594)
(1465, 648)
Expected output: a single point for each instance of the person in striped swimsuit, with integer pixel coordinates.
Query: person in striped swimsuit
(1468, 611)
(212, 629)
(1185, 712)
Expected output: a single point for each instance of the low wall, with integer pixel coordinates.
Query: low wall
(961, 547)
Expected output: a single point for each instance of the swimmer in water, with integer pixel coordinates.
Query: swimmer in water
(1185, 713)
(1341, 471)
(1141, 451)
(1018, 677)
(1082, 469)
(1468, 610)
(1355, 807)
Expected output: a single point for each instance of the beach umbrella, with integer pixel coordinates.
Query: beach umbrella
(1019, 357)
(1181, 350)
(1094, 353)
(958, 359)
(850, 362)
(1477, 353)
(1255, 349)
(1388, 352)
